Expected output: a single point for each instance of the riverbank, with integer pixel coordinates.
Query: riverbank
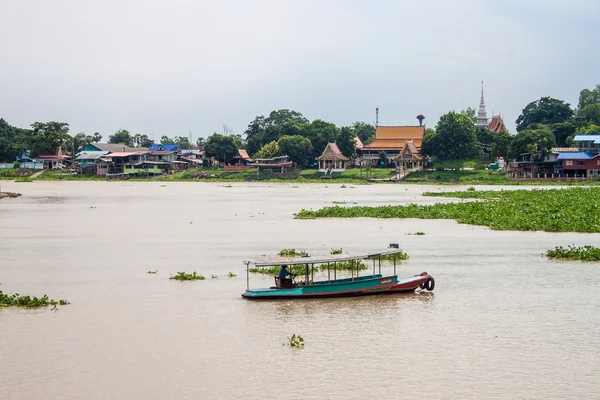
(354, 176)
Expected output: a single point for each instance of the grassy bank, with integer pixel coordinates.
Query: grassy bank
(553, 210)
(355, 176)
(463, 177)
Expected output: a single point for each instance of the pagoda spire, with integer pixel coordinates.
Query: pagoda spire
(482, 119)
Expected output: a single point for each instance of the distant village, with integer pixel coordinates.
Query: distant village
(397, 147)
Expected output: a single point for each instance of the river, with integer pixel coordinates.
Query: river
(502, 323)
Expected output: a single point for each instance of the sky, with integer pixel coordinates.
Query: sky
(168, 67)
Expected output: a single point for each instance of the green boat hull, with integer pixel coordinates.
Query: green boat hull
(360, 286)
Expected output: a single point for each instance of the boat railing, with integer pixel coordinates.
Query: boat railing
(331, 262)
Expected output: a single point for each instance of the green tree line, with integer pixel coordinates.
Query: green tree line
(542, 125)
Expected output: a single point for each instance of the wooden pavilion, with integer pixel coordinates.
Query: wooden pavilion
(332, 159)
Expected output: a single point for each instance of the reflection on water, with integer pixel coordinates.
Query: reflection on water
(502, 323)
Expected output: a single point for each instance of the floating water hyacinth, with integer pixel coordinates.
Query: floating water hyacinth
(183, 276)
(553, 210)
(571, 252)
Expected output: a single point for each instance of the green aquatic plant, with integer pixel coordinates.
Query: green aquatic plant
(571, 252)
(419, 233)
(553, 210)
(292, 253)
(300, 269)
(390, 257)
(213, 277)
(16, 300)
(335, 251)
(152, 272)
(183, 276)
(296, 341)
(231, 274)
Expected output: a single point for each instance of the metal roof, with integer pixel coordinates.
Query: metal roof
(585, 138)
(310, 260)
(576, 156)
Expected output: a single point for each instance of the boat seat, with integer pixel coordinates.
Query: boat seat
(283, 284)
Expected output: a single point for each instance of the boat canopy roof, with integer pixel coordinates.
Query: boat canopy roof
(311, 260)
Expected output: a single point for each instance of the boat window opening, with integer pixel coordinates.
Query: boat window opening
(334, 271)
(328, 274)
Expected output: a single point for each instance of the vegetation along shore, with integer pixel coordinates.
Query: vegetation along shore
(551, 210)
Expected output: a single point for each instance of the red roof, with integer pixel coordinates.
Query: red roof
(497, 124)
(57, 155)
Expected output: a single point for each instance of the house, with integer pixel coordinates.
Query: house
(162, 155)
(88, 163)
(54, 160)
(409, 159)
(164, 147)
(109, 147)
(192, 162)
(119, 161)
(391, 140)
(240, 162)
(332, 159)
(584, 162)
(530, 165)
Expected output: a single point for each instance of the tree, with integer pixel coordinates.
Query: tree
(183, 142)
(297, 148)
(456, 137)
(81, 140)
(13, 141)
(591, 129)
(470, 112)
(430, 143)
(544, 111)
(200, 141)
(590, 114)
(536, 141)
(279, 117)
(166, 140)
(97, 137)
(587, 97)
(145, 141)
(501, 145)
(364, 131)
(220, 147)
(563, 131)
(346, 141)
(279, 123)
(122, 136)
(269, 150)
(47, 136)
(142, 140)
(320, 133)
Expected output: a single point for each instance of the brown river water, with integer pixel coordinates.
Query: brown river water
(502, 323)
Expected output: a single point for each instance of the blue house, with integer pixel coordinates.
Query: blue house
(164, 147)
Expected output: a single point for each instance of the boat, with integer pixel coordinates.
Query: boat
(375, 283)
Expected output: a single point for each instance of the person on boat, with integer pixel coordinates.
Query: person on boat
(283, 275)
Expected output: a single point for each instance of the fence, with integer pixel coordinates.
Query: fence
(24, 165)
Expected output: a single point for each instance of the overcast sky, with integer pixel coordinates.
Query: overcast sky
(167, 67)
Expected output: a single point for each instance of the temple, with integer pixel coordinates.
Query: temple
(497, 125)
(482, 119)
